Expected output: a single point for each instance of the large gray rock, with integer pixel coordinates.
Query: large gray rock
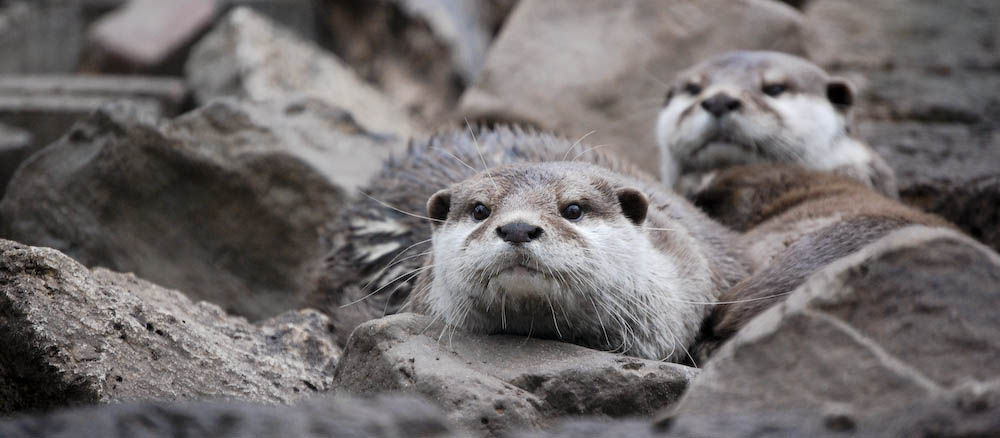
(248, 56)
(577, 66)
(494, 384)
(435, 49)
(322, 417)
(226, 203)
(926, 72)
(904, 329)
(73, 336)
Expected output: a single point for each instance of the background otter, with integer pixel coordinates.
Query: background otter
(756, 106)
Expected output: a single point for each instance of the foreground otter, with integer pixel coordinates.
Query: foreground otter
(752, 107)
(592, 252)
(794, 223)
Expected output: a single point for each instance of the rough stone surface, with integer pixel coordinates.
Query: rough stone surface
(904, 329)
(226, 203)
(246, 55)
(74, 336)
(148, 35)
(494, 384)
(927, 72)
(321, 417)
(579, 66)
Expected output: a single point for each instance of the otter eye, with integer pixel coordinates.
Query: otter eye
(480, 212)
(774, 90)
(692, 89)
(572, 212)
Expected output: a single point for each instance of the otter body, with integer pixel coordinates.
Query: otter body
(794, 222)
(590, 251)
(754, 107)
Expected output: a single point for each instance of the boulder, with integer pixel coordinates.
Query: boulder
(922, 70)
(491, 385)
(904, 329)
(75, 336)
(246, 55)
(148, 36)
(435, 49)
(227, 203)
(579, 66)
(321, 417)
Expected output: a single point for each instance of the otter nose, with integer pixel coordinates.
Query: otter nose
(519, 232)
(720, 104)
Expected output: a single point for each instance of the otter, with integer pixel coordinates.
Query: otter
(527, 233)
(794, 222)
(755, 106)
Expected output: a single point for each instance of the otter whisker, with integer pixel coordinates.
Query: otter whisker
(588, 150)
(479, 150)
(440, 149)
(575, 143)
(410, 273)
(399, 210)
(391, 262)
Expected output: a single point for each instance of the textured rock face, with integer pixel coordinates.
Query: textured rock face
(225, 203)
(246, 55)
(579, 66)
(341, 417)
(904, 329)
(494, 384)
(73, 336)
(928, 72)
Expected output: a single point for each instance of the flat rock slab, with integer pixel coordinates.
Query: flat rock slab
(321, 417)
(246, 55)
(904, 329)
(495, 384)
(144, 35)
(226, 203)
(577, 66)
(74, 336)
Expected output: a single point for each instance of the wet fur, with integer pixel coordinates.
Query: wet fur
(808, 124)
(794, 223)
(639, 270)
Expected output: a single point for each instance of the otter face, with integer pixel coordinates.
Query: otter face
(551, 250)
(749, 107)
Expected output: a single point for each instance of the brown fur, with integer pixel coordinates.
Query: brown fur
(814, 218)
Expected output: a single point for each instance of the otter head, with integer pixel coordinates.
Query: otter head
(550, 250)
(749, 107)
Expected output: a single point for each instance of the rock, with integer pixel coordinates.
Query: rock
(341, 417)
(245, 55)
(298, 16)
(904, 329)
(227, 203)
(74, 336)
(580, 66)
(494, 384)
(15, 146)
(922, 69)
(148, 36)
(48, 105)
(435, 49)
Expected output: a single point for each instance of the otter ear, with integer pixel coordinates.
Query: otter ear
(634, 204)
(840, 93)
(438, 206)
